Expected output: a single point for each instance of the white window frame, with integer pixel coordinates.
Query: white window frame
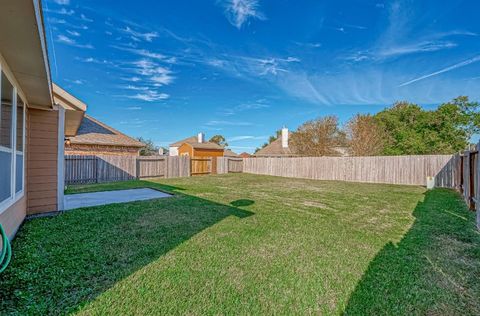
(14, 196)
(24, 121)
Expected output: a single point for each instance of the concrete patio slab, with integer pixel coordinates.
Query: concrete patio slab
(73, 201)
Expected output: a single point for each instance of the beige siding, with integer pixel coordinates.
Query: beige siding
(42, 161)
(13, 216)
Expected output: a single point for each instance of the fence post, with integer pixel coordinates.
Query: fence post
(471, 175)
(477, 193)
(137, 168)
(96, 168)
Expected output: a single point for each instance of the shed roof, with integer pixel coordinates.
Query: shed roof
(206, 145)
(94, 132)
(193, 141)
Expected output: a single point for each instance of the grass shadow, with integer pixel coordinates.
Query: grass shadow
(64, 262)
(433, 270)
(242, 202)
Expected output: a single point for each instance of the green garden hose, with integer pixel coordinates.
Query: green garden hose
(6, 254)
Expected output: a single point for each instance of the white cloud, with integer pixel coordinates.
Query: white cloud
(95, 61)
(62, 2)
(155, 73)
(137, 88)
(149, 36)
(227, 123)
(441, 71)
(56, 21)
(132, 79)
(73, 33)
(76, 81)
(150, 96)
(69, 41)
(248, 106)
(62, 11)
(252, 66)
(246, 137)
(147, 53)
(240, 11)
(65, 39)
(308, 44)
(84, 18)
(424, 46)
(134, 108)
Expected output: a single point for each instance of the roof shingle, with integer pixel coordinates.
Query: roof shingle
(275, 149)
(94, 132)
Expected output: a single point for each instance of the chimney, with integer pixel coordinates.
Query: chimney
(201, 137)
(284, 137)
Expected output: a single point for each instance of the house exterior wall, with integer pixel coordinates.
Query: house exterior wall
(12, 217)
(185, 150)
(173, 151)
(42, 161)
(85, 150)
(207, 153)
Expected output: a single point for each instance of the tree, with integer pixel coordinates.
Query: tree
(318, 137)
(150, 149)
(219, 140)
(414, 131)
(271, 139)
(366, 136)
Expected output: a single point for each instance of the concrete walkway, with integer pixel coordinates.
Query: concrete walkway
(73, 201)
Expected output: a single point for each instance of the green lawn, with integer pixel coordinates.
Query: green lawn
(246, 244)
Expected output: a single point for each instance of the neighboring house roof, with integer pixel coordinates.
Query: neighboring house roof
(229, 153)
(94, 132)
(245, 155)
(207, 145)
(189, 140)
(275, 149)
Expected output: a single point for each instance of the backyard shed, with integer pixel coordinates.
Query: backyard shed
(207, 149)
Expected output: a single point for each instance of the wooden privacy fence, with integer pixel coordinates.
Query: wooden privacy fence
(229, 165)
(412, 170)
(200, 166)
(467, 176)
(105, 168)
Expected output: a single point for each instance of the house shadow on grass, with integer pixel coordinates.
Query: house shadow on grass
(433, 270)
(64, 262)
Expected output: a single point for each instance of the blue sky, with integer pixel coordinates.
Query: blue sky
(166, 70)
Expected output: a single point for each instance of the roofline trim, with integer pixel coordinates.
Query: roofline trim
(39, 17)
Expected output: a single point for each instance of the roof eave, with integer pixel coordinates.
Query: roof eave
(24, 48)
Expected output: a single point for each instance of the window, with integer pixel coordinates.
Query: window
(12, 143)
(6, 140)
(20, 145)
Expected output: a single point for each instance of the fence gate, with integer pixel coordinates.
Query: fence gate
(199, 166)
